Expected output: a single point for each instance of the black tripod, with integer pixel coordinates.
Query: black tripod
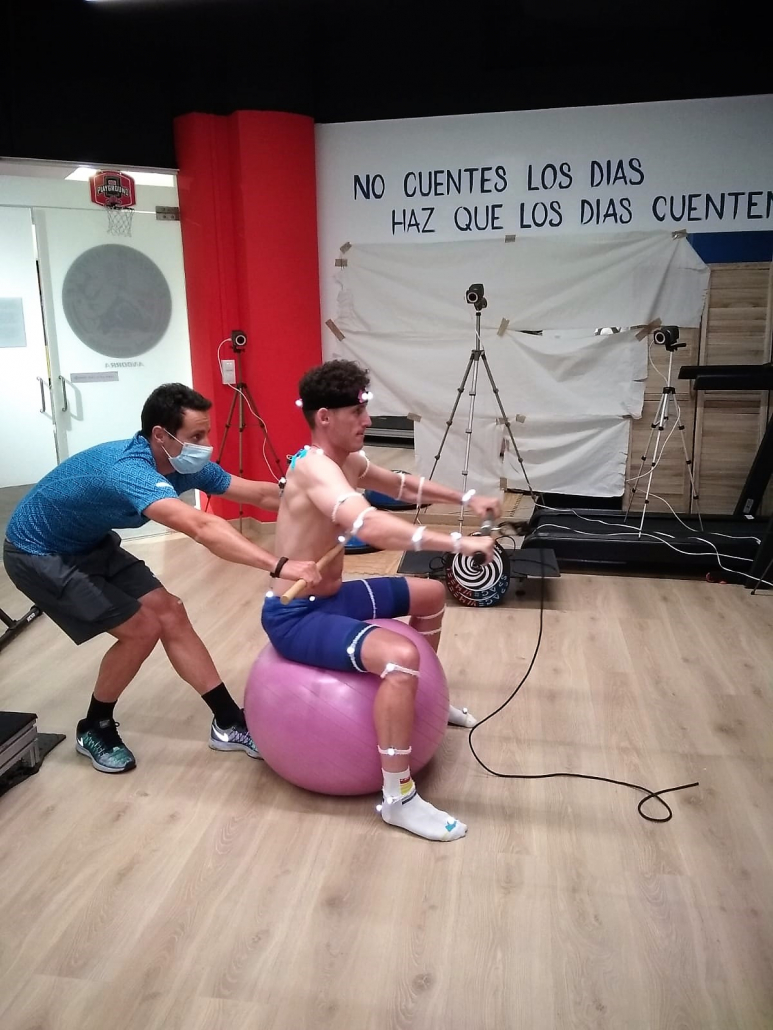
(242, 393)
(475, 297)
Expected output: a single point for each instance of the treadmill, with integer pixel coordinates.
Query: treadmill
(577, 542)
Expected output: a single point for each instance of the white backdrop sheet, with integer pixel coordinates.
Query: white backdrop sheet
(557, 373)
(581, 455)
(566, 282)
(402, 313)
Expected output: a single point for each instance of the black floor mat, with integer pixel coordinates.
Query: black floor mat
(421, 563)
(46, 744)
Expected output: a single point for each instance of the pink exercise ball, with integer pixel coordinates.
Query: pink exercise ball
(314, 727)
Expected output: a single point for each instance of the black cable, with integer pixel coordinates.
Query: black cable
(657, 794)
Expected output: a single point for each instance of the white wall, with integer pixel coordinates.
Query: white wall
(685, 150)
(30, 191)
(659, 150)
(696, 166)
(29, 449)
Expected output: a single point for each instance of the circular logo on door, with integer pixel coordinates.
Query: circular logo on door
(117, 300)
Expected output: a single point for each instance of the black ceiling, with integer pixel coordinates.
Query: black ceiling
(102, 81)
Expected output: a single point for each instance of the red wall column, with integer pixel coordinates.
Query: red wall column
(247, 187)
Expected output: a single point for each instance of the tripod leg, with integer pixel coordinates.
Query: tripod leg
(459, 393)
(688, 463)
(254, 409)
(241, 448)
(638, 477)
(471, 414)
(506, 421)
(227, 427)
(658, 439)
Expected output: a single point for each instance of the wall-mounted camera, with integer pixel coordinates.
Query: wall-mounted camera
(668, 336)
(238, 339)
(474, 296)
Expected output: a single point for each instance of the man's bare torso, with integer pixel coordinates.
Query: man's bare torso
(303, 532)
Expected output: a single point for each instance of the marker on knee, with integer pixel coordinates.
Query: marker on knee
(393, 667)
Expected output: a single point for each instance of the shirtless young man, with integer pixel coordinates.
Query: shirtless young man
(325, 625)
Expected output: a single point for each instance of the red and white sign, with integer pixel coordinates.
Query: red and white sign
(112, 189)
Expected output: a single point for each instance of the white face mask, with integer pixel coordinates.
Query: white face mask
(192, 458)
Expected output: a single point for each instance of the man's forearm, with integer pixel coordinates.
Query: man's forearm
(390, 533)
(266, 496)
(224, 541)
(428, 492)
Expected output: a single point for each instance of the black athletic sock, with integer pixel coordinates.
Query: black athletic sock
(99, 711)
(225, 710)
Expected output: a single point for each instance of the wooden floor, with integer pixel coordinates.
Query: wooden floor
(200, 891)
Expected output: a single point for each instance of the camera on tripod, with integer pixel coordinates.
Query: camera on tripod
(238, 340)
(474, 296)
(668, 336)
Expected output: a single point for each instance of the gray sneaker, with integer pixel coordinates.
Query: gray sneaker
(103, 745)
(235, 738)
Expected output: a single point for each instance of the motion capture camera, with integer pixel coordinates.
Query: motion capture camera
(668, 336)
(238, 339)
(475, 296)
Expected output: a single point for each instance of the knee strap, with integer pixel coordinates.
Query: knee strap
(393, 667)
(435, 616)
(429, 632)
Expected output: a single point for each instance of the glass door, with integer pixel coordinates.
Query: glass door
(117, 322)
(27, 426)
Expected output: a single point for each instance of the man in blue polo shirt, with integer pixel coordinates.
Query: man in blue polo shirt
(61, 551)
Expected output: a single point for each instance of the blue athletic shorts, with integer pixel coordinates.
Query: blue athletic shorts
(329, 631)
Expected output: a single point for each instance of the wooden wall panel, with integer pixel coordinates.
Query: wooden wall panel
(731, 424)
(722, 430)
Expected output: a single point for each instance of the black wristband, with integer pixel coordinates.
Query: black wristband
(278, 568)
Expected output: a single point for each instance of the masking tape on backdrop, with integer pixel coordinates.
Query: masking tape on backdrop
(645, 330)
(334, 329)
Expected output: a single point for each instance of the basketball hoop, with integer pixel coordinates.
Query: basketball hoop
(115, 192)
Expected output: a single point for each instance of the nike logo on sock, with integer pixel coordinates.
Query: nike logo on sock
(451, 826)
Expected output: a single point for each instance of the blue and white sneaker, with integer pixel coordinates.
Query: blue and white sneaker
(103, 745)
(235, 738)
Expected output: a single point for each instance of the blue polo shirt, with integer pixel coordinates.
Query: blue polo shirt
(103, 488)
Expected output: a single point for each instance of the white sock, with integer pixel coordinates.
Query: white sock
(398, 785)
(461, 717)
(404, 808)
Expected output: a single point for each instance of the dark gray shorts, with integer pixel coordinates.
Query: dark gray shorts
(84, 594)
